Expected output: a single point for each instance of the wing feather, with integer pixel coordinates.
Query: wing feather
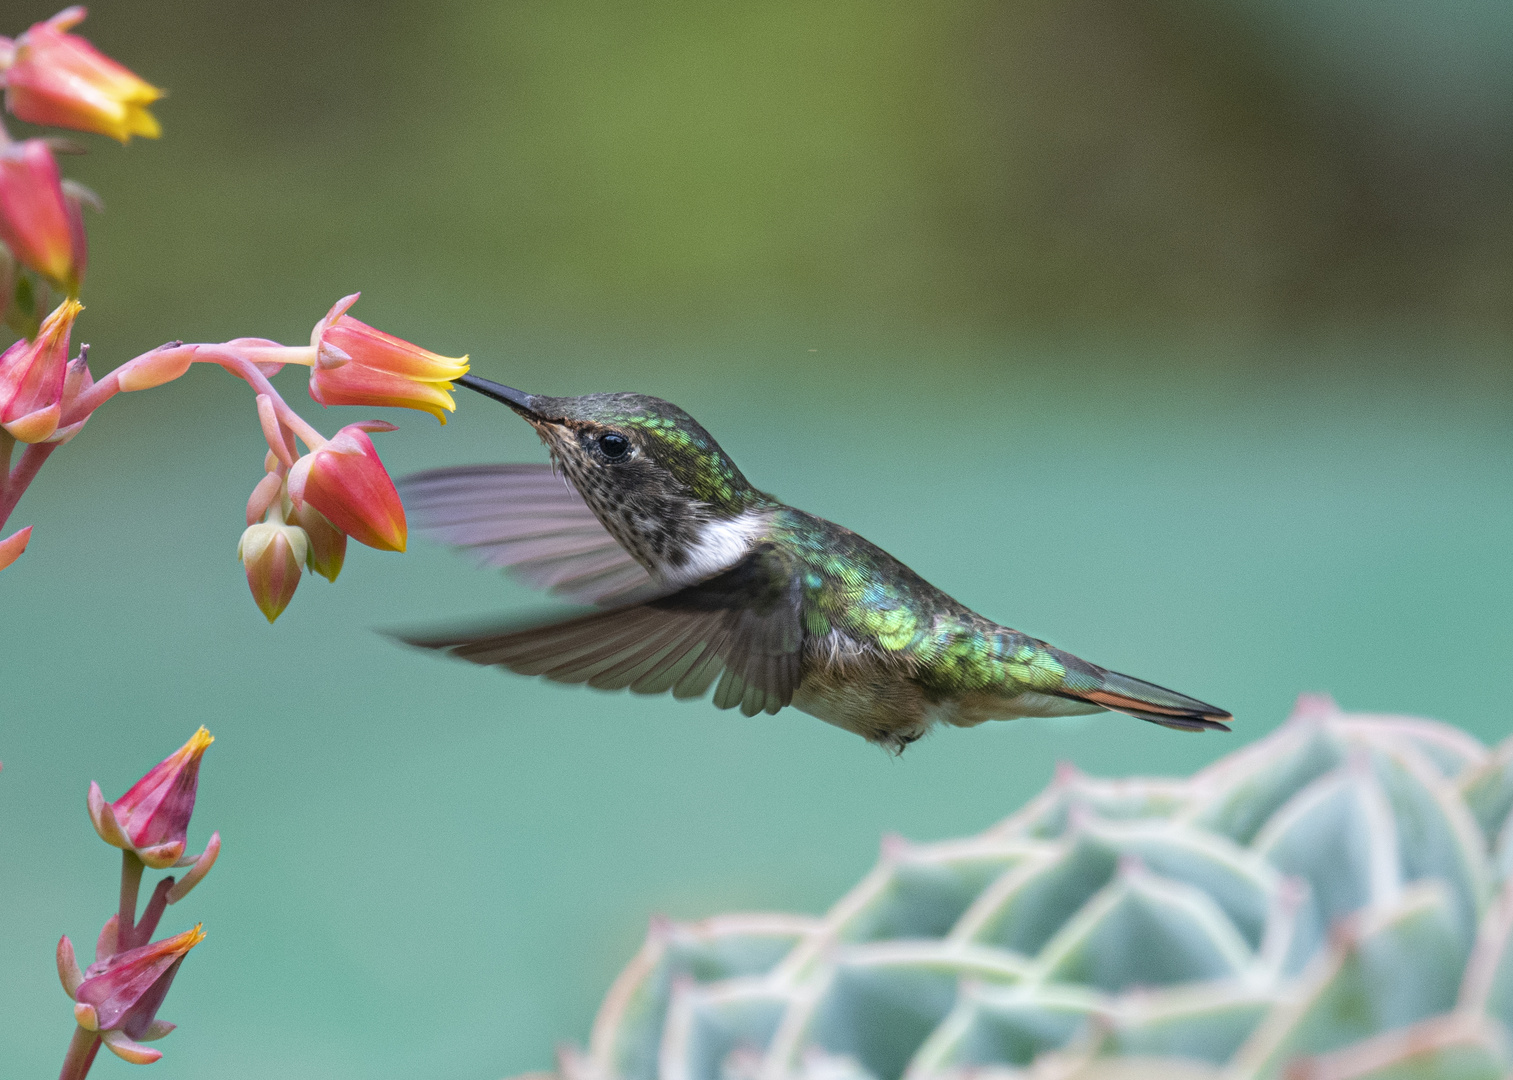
(527, 519)
(741, 627)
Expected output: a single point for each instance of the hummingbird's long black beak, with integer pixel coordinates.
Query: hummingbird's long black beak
(524, 404)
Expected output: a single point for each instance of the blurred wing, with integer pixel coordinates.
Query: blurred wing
(526, 518)
(741, 627)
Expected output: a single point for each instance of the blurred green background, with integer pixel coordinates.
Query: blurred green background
(1174, 331)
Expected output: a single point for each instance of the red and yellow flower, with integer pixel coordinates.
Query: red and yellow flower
(41, 224)
(60, 79)
(346, 482)
(358, 365)
(32, 375)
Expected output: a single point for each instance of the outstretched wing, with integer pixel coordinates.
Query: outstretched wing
(741, 626)
(528, 519)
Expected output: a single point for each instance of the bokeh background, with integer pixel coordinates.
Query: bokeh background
(1174, 331)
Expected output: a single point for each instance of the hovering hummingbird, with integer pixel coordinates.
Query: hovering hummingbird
(707, 581)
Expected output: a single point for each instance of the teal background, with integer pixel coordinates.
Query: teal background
(1174, 333)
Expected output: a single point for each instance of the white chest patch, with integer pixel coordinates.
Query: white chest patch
(720, 546)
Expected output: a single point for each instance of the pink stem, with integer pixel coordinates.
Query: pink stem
(82, 1049)
(7, 446)
(22, 476)
(240, 360)
(247, 370)
(126, 918)
(109, 386)
(157, 903)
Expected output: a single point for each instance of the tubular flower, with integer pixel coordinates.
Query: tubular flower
(60, 79)
(347, 483)
(152, 819)
(41, 224)
(358, 365)
(32, 374)
(119, 996)
(274, 554)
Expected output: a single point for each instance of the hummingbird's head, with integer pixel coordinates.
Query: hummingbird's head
(651, 474)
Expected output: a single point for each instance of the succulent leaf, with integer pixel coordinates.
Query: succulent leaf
(1317, 906)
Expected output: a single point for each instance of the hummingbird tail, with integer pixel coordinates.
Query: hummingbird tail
(1138, 698)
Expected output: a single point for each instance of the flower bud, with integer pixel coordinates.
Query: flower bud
(32, 375)
(60, 79)
(13, 545)
(347, 483)
(120, 995)
(41, 224)
(152, 818)
(358, 365)
(274, 555)
(328, 544)
(152, 369)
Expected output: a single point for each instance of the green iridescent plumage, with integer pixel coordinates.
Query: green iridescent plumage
(710, 583)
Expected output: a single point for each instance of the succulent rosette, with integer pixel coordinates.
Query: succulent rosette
(1332, 902)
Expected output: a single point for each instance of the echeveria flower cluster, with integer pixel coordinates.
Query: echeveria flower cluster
(316, 492)
(116, 999)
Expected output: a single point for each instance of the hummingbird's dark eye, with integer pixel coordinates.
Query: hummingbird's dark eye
(613, 446)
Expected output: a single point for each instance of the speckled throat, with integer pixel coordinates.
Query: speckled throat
(676, 502)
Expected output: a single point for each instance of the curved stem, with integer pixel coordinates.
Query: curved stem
(240, 360)
(22, 476)
(82, 1049)
(247, 370)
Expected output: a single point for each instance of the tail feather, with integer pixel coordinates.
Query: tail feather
(1147, 701)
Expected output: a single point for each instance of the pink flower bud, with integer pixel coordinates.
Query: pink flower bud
(156, 368)
(32, 375)
(60, 79)
(274, 555)
(13, 545)
(39, 222)
(152, 819)
(358, 365)
(120, 995)
(347, 483)
(328, 544)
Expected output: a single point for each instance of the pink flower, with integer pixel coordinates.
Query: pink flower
(274, 555)
(43, 226)
(119, 996)
(60, 79)
(32, 374)
(347, 483)
(152, 819)
(358, 365)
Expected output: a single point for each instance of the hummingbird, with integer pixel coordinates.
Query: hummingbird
(703, 580)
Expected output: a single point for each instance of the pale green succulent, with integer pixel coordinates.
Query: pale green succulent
(1333, 902)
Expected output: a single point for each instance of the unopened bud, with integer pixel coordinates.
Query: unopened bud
(274, 556)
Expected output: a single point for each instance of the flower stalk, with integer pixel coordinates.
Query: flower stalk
(116, 998)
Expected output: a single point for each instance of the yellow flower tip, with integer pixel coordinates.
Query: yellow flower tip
(138, 121)
(197, 935)
(196, 746)
(63, 315)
